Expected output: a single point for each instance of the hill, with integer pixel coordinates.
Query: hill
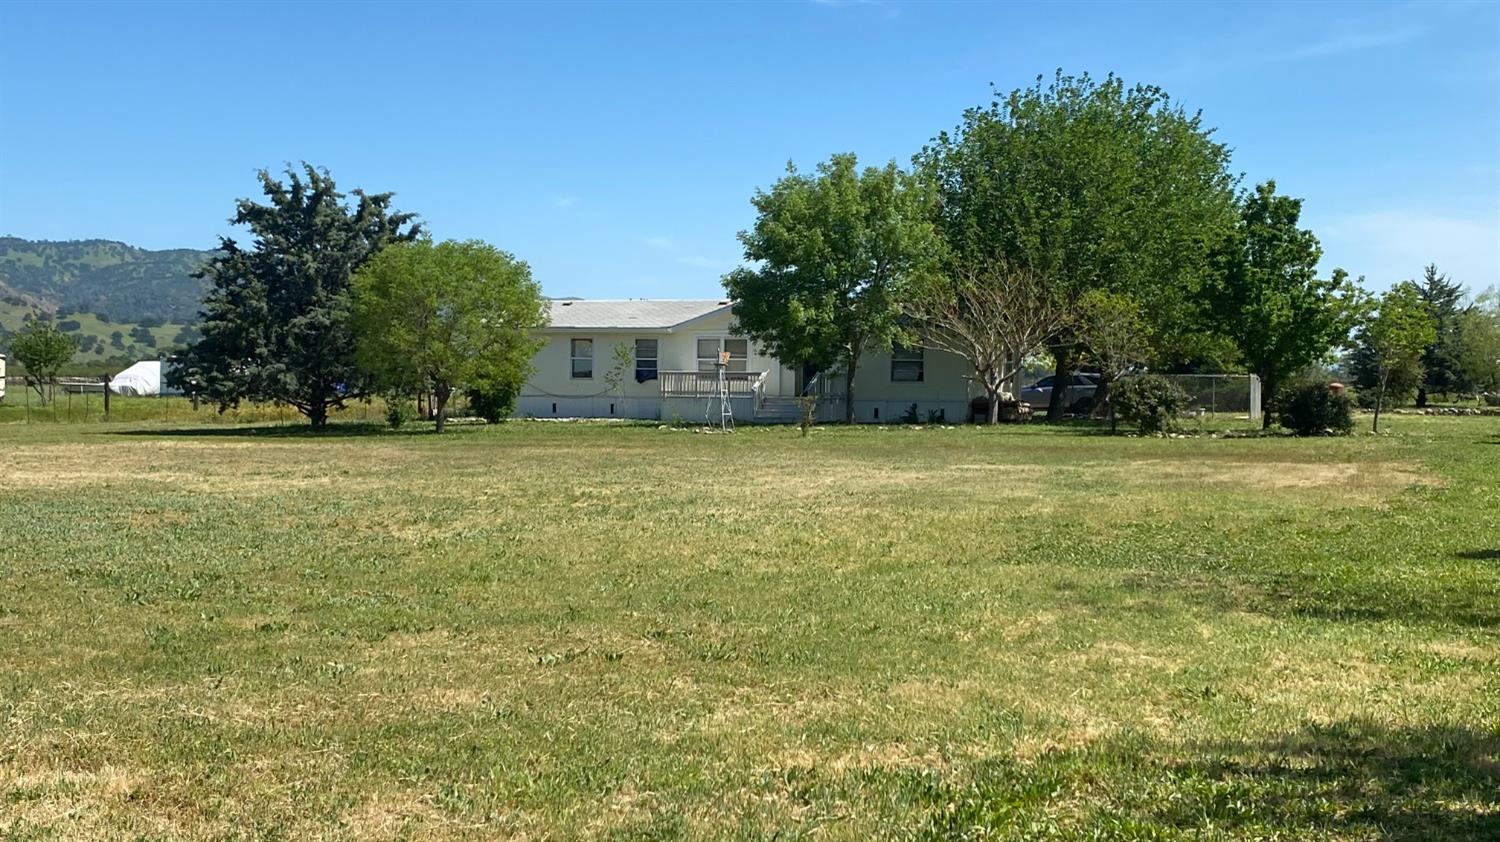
(118, 281)
(103, 344)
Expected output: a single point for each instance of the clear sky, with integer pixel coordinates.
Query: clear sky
(615, 146)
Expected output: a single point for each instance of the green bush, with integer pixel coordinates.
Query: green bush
(1150, 401)
(1312, 409)
(398, 409)
(493, 402)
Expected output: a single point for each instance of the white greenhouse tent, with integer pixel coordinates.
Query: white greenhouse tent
(142, 379)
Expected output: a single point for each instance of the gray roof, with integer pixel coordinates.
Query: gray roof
(638, 313)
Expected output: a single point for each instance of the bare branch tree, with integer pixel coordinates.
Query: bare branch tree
(991, 314)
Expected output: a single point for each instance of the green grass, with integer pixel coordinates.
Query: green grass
(547, 630)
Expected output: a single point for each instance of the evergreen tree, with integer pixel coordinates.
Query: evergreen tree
(1442, 360)
(276, 322)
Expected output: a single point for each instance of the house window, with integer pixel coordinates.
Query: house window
(583, 358)
(709, 348)
(907, 365)
(645, 360)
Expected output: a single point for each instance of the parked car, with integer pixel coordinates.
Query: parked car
(1080, 391)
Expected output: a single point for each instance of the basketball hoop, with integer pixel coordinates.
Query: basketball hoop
(724, 358)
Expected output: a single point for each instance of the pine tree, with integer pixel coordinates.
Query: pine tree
(1441, 359)
(276, 323)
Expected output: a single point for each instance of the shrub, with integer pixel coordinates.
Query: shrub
(492, 402)
(1150, 401)
(398, 409)
(1312, 409)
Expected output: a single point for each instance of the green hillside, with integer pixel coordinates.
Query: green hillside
(102, 345)
(122, 282)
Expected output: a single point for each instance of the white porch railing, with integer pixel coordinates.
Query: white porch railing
(705, 384)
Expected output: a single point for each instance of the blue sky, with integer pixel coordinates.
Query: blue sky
(615, 146)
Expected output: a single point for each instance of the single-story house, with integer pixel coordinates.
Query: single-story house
(662, 353)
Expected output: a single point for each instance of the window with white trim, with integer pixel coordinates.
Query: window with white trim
(582, 353)
(645, 360)
(710, 346)
(907, 365)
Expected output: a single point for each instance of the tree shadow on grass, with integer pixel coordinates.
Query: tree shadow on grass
(1298, 594)
(1480, 555)
(1352, 779)
(1355, 777)
(279, 431)
(1306, 595)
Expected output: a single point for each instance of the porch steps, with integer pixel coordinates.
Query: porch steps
(778, 410)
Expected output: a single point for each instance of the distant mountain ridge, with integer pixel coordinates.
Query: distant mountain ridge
(118, 280)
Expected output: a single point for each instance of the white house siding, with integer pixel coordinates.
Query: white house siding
(552, 391)
(945, 388)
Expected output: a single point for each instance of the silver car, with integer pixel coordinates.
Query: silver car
(1081, 388)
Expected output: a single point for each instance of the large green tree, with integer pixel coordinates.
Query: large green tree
(1397, 333)
(276, 322)
(1269, 299)
(42, 350)
(836, 251)
(1090, 185)
(442, 316)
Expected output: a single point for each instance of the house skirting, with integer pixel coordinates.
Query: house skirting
(688, 410)
(696, 410)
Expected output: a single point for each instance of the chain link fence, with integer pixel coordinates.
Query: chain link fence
(88, 399)
(60, 399)
(1237, 395)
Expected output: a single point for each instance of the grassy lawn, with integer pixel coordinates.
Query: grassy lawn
(547, 630)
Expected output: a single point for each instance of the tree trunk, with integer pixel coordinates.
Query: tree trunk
(442, 393)
(849, 385)
(317, 413)
(993, 391)
(1267, 401)
(1061, 373)
(1101, 398)
(1379, 401)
